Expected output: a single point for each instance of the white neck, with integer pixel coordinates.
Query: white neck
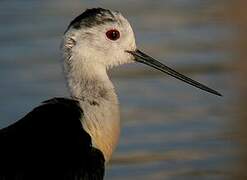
(90, 84)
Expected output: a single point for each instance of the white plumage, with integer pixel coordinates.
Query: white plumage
(87, 55)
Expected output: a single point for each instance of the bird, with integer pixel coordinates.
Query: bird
(73, 138)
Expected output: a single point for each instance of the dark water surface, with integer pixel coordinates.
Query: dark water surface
(169, 130)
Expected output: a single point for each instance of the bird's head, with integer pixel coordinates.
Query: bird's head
(99, 36)
(104, 38)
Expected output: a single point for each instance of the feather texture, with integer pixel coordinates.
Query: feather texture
(50, 143)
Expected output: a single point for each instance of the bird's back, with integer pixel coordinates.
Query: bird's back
(50, 143)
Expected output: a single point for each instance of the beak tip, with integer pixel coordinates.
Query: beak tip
(219, 94)
(214, 92)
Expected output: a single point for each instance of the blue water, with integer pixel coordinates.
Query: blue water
(169, 130)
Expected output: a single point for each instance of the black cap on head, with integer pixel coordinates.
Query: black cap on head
(92, 17)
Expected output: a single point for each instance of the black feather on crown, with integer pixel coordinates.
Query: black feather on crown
(92, 17)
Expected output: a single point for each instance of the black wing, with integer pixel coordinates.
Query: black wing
(50, 143)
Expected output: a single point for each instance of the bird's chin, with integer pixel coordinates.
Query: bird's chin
(121, 62)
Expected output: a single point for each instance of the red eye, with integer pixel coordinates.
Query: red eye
(113, 34)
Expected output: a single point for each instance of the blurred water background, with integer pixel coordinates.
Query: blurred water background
(169, 129)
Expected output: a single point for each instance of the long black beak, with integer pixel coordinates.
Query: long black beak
(145, 59)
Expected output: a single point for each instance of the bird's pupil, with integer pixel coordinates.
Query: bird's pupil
(113, 34)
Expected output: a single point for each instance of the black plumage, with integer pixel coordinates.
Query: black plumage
(50, 143)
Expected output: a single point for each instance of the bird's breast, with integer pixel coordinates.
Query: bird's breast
(101, 121)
